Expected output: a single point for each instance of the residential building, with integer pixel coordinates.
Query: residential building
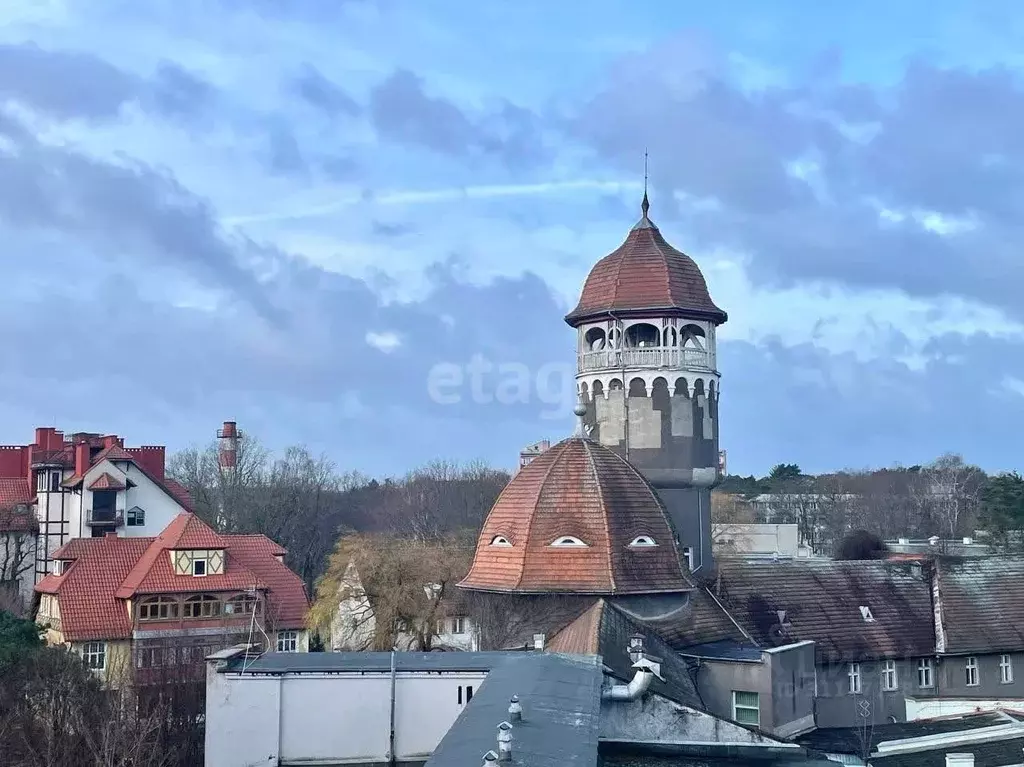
(443, 709)
(742, 539)
(84, 485)
(142, 604)
(530, 452)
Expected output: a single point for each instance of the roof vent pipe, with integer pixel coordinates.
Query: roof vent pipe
(515, 710)
(504, 742)
(538, 641)
(959, 760)
(646, 670)
(490, 759)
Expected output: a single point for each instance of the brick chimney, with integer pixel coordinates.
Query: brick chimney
(81, 458)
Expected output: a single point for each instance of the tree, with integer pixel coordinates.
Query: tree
(380, 590)
(1002, 508)
(952, 489)
(18, 528)
(860, 545)
(18, 637)
(782, 472)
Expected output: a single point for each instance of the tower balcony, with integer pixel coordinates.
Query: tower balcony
(651, 358)
(109, 518)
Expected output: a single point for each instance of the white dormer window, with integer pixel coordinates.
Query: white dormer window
(198, 567)
(568, 540)
(500, 540)
(642, 541)
(865, 613)
(58, 567)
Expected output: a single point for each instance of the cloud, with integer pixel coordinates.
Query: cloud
(386, 341)
(316, 90)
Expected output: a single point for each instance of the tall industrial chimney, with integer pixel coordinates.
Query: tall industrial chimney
(228, 436)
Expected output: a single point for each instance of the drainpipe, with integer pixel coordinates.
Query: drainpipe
(625, 384)
(700, 530)
(646, 671)
(391, 735)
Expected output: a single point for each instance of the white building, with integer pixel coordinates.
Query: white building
(79, 486)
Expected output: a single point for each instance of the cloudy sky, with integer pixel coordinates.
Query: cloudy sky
(292, 213)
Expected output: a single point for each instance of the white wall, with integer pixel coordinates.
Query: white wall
(927, 708)
(754, 538)
(338, 717)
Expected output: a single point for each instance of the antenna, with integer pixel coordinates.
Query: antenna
(645, 171)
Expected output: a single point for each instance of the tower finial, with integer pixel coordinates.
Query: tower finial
(645, 205)
(579, 411)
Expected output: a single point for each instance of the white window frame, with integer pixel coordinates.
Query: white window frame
(890, 676)
(94, 654)
(287, 641)
(458, 624)
(748, 707)
(853, 674)
(971, 676)
(925, 674)
(205, 564)
(1005, 669)
(688, 556)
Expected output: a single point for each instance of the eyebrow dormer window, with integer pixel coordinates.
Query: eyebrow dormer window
(500, 540)
(642, 541)
(567, 541)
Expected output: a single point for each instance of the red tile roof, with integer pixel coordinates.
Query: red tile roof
(93, 592)
(582, 489)
(113, 453)
(106, 482)
(645, 273)
(14, 491)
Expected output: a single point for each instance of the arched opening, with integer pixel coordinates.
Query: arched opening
(158, 609)
(681, 388)
(642, 335)
(594, 340)
(692, 337)
(202, 606)
(598, 389)
(642, 541)
(567, 541)
(637, 388)
(500, 540)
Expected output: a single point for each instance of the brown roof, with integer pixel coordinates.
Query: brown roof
(581, 489)
(106, 482)
(822, 601)
(14, 491)
(980, 603)
(696, 618)
(645, 273)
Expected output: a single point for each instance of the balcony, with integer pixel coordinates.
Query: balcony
(104, 518)
(648, 359)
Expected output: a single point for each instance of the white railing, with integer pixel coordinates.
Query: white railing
(612, 359)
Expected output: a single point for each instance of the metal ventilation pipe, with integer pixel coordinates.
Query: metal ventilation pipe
(504, 742)
(515, 710)
(538, 641)
(490, 759)
(646, 671)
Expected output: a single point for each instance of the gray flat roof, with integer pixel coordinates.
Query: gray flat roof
(366, 662)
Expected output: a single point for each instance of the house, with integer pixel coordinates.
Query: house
(83, 485)
(441, 709)
(146, 604)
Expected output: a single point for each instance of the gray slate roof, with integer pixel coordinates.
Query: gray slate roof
(999, 753)
(981, 604)
(822, 600)
(561, 700)
(356, 662)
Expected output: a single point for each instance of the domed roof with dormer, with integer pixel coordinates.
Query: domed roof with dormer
(577, 519)
(645, 274)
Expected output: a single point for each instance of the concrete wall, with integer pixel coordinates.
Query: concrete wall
(756, 539)
(952, 677)
(339, 717)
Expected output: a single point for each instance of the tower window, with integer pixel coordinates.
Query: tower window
(642, 541)
(55, 482)
(567, 540)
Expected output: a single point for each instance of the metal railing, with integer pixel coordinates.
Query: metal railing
(612, 359)
(94, 517)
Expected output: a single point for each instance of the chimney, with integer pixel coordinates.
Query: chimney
(504, 742)
(959, 760)
(490, 759)
(81, 458)
(538, 641)
(515, 710)
(227, 452)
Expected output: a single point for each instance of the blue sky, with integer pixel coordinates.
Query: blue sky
(291, 214)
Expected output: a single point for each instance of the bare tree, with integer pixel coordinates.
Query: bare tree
(18, 528)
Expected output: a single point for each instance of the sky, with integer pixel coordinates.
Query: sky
(306, 216)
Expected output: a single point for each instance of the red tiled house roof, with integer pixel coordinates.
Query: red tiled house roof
(14, 491)
(117, 453)
(645, 273)
(106, 482)
(107, 572)
(581, 489)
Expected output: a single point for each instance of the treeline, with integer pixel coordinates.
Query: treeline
(948, 498)
(306, 504)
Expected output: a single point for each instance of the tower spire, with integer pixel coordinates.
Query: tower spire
(645, 205)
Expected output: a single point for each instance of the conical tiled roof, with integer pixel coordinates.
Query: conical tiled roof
(645, 273)
(577, 519)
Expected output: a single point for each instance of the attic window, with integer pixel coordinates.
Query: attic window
(198, 567)
(500, 540)
(865, 613)
(567, 540)
(641, 541)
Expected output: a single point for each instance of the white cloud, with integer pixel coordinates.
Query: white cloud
(387, 341)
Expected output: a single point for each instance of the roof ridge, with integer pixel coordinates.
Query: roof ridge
(540, 491)
(604, 510)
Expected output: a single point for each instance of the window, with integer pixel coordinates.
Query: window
(469, 693)
(95, 655)
(135, 517)
(500, 540)
(58, 567)
(890, 681)
(642, 541)
(150, 657)
(746, 707)
(865, 613)
(688, 556)
(458, 625)
(158, 609)
(567, 540)
(1005, 669)
(243, 604)
(287, 641)
(971, 672)
(198, 567)
(854, 675)
(925, 673)
(465, 693)
(441, 627)
(54, 481)
(202, 606)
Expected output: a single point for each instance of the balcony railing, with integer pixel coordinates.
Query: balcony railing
(614, 359)
(101, 517)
